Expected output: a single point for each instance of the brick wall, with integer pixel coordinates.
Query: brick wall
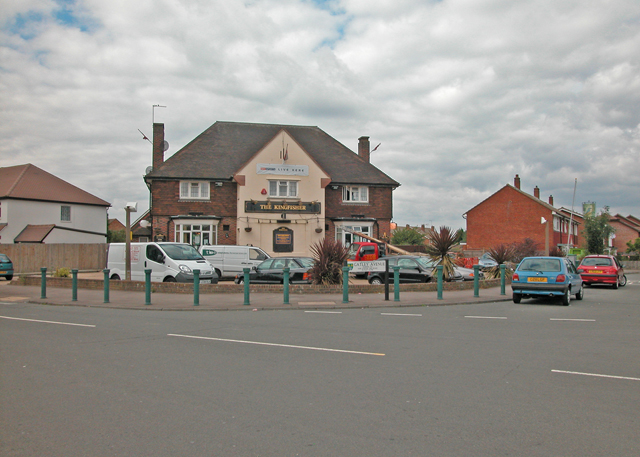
(623, 234)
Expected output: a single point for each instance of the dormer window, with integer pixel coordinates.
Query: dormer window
(194, 190)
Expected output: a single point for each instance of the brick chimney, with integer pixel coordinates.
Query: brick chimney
(158, 145)
(363, 148)
(536, 192)
(516, 182)
(551, 200)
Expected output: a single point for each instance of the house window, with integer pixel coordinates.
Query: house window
(358, 194)
(346, 237)
(194, 190)
(65, 213)
(195, 234)
(283, 189)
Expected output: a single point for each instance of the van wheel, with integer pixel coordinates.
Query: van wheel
(115, 277)
(169, 279)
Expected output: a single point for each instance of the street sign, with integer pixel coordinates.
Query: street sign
(366, 266)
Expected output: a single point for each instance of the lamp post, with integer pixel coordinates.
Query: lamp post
(546, 235)
(131, 207)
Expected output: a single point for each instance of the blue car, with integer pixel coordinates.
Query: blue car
(6, 267)
(538, 277)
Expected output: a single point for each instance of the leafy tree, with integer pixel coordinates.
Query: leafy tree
(597, 231)
(407, 236)
(440, 243)
(116, 236)
(329, 255)
(633, 247)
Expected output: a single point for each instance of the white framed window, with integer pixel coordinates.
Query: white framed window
(283, 189)
(357, 194)
(194, 190)
(65, 213)
(556, 224)
(346, 237)
(200, 233)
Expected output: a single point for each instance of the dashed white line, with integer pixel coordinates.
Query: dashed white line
(276, 344)
(401, 314)
(596, 375)
(575, 320)
(484, 317)
(46, 322)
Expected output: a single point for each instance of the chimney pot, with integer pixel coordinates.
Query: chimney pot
(516, 182)
(364, 148)
(536, 192)
(551, 200)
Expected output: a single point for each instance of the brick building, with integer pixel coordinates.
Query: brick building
(511, 215)
(280, 187)
(627, 229)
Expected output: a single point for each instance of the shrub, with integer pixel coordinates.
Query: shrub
(62, 273)
(526, 248)
(502, 254)
(440, 243)
(329, 255)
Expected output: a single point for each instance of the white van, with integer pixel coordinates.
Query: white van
(168, 262)
(229, 261)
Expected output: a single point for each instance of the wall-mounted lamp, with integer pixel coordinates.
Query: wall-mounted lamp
(335, 187)
(218, 183)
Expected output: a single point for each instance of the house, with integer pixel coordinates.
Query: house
(627, 229)
(114, 225)
(280, 187)
(38, 207)
(510, 215)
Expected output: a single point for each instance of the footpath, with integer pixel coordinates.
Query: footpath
(15, 293)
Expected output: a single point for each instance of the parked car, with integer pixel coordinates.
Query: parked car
(271, 271)
(602, 269)
(414, 268)
(6, 267)
(537, 277)
(486, 261)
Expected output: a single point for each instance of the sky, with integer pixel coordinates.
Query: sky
(462, 95)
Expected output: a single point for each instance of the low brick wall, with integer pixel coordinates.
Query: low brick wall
(185, 288)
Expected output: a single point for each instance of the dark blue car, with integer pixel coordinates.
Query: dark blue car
(538, 277)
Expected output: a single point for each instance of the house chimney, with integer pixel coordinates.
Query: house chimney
(516, 182)
(158, 145)
(551, 200)
(536, 192)
(363, 148)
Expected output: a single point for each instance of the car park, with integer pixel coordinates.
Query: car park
(538, 277)
(602, 269)
(271, 271)
(6, 267)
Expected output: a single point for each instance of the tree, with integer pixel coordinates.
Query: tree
(633, 247)
(116, 236)
(597, 231)
(407, 236)
(526, 248)
(440, 243)
(329, 256)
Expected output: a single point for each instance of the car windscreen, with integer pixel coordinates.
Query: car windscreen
(306, 262)
(426, 262)
(4, 258)
(552, 265)
(596, 262)
(181, 252)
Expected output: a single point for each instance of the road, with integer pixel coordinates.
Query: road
(534, 379)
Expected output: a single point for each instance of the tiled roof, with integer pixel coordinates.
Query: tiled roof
(34, 233)
(28, 182)
(509, 186)
(222, 149)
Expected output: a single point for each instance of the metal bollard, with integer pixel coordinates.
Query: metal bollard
(196, 287)
(502, 279)
(396, 283)
(439, 269)
(246, 286)
(285, 283)
(147, 286)
(106, 285)
(74, 285)
(43, 283)
(476, 280)
(345, 284)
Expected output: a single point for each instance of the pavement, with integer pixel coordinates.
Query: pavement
(11, 292)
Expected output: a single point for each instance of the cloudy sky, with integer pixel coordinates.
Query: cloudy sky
(461, 94)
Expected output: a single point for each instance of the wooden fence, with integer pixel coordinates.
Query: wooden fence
(29, 258)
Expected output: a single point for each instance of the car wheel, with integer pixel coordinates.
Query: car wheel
(115, 277)
(616, 284)
(624, 281)
(566, 298)
(10, 277)
(240, 280)
(580, 294)
(517, 298)
(375, 281)
(169, 279)
(219, 273)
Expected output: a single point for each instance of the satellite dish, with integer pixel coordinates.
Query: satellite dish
(148, 170)
(165, 145)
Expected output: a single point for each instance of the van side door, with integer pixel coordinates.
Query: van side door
(154, 260)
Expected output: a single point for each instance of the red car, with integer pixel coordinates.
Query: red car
(602, 269)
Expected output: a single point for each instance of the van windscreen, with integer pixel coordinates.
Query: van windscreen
(181, 252)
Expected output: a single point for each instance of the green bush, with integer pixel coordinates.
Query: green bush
(330, 255)
(62, 273)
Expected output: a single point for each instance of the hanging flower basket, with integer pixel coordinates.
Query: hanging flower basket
(247, 229)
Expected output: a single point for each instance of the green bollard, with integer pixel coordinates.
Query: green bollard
(106, 285)
(147, 286)
(74, 285)
(345, 284)
(476, 280)
(246, 286)
(196, 287)
(439, 269)
(285, 282)
(396, 283)
(43, 283)
(502, 278)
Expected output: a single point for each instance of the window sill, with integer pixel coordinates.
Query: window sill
(181, 200)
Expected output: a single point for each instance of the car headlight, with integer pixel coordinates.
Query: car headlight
(185, 269)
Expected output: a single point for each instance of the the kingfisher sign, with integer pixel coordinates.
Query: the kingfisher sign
(252, 206)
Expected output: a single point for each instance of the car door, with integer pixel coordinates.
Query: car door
(262, 272)
(409, 271)
(574, 276)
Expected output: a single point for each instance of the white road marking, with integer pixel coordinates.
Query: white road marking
(46, 322)
(400, 314)
(484, 317)
(275, 344)
(576, 320)
(324, 312)
(596, 375)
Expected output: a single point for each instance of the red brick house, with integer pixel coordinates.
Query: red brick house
(627, 229)
(511, 215)
(280, 187)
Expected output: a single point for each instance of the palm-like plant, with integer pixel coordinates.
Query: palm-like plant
(329, 256)
(502, 254)
(438, 247)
